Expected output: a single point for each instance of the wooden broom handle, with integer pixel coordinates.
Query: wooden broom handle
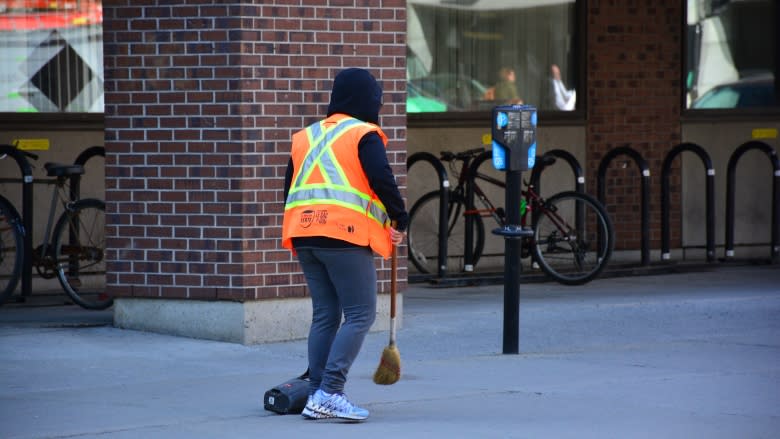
(393, 275)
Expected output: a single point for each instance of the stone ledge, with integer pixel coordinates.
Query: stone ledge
(248, 323)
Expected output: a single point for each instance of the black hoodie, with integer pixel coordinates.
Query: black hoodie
(356, 93)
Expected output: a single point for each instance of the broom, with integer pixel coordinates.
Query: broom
(389, 369)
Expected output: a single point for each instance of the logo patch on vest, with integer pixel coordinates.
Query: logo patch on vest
(309, 217)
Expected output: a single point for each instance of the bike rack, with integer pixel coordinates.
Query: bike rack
(710, 204)
(468, 251)
(642, 163)
(75, 181)
(444, 184)
(579, 176)
(75, 187)
(730, 189)
(27, 214)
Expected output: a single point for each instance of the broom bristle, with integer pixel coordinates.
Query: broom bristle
(389, 369)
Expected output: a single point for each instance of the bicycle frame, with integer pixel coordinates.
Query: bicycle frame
(569, 235)
(50, 221)
(467, 182)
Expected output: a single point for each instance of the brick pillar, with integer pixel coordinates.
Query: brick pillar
(201, 101)
(634, 98)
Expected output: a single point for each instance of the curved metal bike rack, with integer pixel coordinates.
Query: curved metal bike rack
(710, 204)
(576, 169)
(92, 151)
(468, 251)
(27, 214)
(642, 163)
(730, 189)
(444, 196)
(75, 181)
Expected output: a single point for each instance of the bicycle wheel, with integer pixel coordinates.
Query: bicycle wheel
(423, 234)
(573, 238)
(11, 249)
(79, 246)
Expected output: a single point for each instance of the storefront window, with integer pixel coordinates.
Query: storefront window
(470, 55)
(731, 54)
(52, 54)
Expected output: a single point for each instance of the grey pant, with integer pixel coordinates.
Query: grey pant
(341, 280)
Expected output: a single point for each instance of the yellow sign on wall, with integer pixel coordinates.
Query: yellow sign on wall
(764, 133)
(32, 144)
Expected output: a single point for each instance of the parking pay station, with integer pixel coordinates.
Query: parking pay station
(514, 137)
(514, 151)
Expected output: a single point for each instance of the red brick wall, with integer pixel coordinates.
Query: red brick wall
(634, 56)
(201, 102)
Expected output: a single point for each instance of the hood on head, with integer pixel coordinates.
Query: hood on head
(356, 93)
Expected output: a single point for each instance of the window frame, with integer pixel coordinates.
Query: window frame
(10, 121)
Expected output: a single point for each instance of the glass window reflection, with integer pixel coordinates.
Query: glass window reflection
(53, 56)
(731, 54)
(468, 55)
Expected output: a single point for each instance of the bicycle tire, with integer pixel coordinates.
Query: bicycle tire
(11, 249)
(422, 236)
(79, 248)
(572, 253)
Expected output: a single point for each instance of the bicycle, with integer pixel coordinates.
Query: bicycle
(572, 240)
(73, 251)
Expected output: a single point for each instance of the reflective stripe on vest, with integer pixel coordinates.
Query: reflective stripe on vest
(335, 190)
(321, 142)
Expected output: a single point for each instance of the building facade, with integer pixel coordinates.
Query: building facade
(201, 99)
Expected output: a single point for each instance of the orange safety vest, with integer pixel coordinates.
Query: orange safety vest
(330, 195)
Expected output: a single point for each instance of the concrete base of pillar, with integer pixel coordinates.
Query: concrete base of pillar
(253, 322)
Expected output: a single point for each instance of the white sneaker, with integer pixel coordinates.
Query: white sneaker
(310, 411)
(336, 405)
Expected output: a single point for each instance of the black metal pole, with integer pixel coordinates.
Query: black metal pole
(27, 223)
(665, 238)
(775, 250)
(512, 247)
(730, 190)
(444, 223)
(468, 244)
(710, 214)
(645, 216)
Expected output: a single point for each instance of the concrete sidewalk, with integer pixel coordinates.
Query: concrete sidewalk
(682, 355)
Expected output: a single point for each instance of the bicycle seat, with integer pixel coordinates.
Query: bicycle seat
(60, 170)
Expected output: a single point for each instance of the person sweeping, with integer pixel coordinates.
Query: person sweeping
(340, 197)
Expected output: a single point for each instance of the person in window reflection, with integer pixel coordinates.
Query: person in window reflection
(505, 90)
(561, 97)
